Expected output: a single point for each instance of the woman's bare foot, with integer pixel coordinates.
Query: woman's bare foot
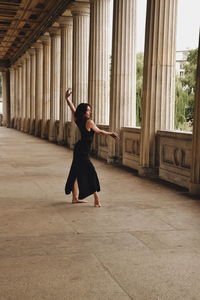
(76, 200)
(97, 203)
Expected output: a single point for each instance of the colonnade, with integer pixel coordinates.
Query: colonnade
(74, 52)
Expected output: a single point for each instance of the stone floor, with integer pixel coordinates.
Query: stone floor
(142, 244)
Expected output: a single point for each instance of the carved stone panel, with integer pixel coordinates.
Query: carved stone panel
(175, 157)
(131, 147)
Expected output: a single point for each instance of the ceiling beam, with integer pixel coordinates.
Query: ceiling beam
(17, 29)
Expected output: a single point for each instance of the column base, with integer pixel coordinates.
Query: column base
(114, 160)
(52, 139)
(61, 142)
(149, 172)
(194, 189)
(44, 136)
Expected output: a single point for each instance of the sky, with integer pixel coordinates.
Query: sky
(188, 24)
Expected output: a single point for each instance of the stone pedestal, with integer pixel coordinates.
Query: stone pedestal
(54, 82)
(195, 172)
(66, 25)
(28, 93)
(32, 90)
(99, 61)
(81, 23)
(46, 83)
(123, 75)
(38, 87)
(159, 79)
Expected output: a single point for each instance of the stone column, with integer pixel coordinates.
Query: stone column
(28, 92)
(23, 106)
(100, 23)
(123, 74)
(195, 172)
(19, 122)
(54, 81)
(16, 96)
(38, 87)
(159, 79)
(66, 24)
(46, 83)
(81, 23)
(12, 96)
(6, 97)
(32, 90)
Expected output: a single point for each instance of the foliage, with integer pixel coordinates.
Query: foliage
(185, 89)
(139, 83)
(0, 85)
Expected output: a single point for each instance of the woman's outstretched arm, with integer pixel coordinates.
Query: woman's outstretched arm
(91, 125)
(69, 102)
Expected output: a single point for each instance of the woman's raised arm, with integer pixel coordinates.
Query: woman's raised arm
(69, 102)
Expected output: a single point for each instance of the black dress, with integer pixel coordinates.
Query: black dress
(82, 168)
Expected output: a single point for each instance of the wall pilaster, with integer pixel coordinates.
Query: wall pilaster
(195, 172)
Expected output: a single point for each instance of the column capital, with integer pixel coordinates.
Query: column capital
(65, 21)
(11, 69)
(15, 66)
(19, 63)
(54, 31)
(45, 39)
(80, 9)
(31, 51)
(27, 55)
(38, 45)
(3, 73)
(23, 58)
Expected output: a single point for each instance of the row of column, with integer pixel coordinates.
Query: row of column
(60, 60)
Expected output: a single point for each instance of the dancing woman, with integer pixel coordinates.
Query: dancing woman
(82, 179)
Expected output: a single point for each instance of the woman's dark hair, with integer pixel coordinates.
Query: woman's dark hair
(81, 110)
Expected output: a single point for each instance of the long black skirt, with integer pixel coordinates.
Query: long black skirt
(83, 170)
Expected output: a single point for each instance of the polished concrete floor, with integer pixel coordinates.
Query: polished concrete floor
(142, 244)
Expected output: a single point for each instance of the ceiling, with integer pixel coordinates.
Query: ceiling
(21, 24)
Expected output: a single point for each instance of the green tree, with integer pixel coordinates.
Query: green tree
(189, 81)
(180, 104)
(139, 83)
(0, 85)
